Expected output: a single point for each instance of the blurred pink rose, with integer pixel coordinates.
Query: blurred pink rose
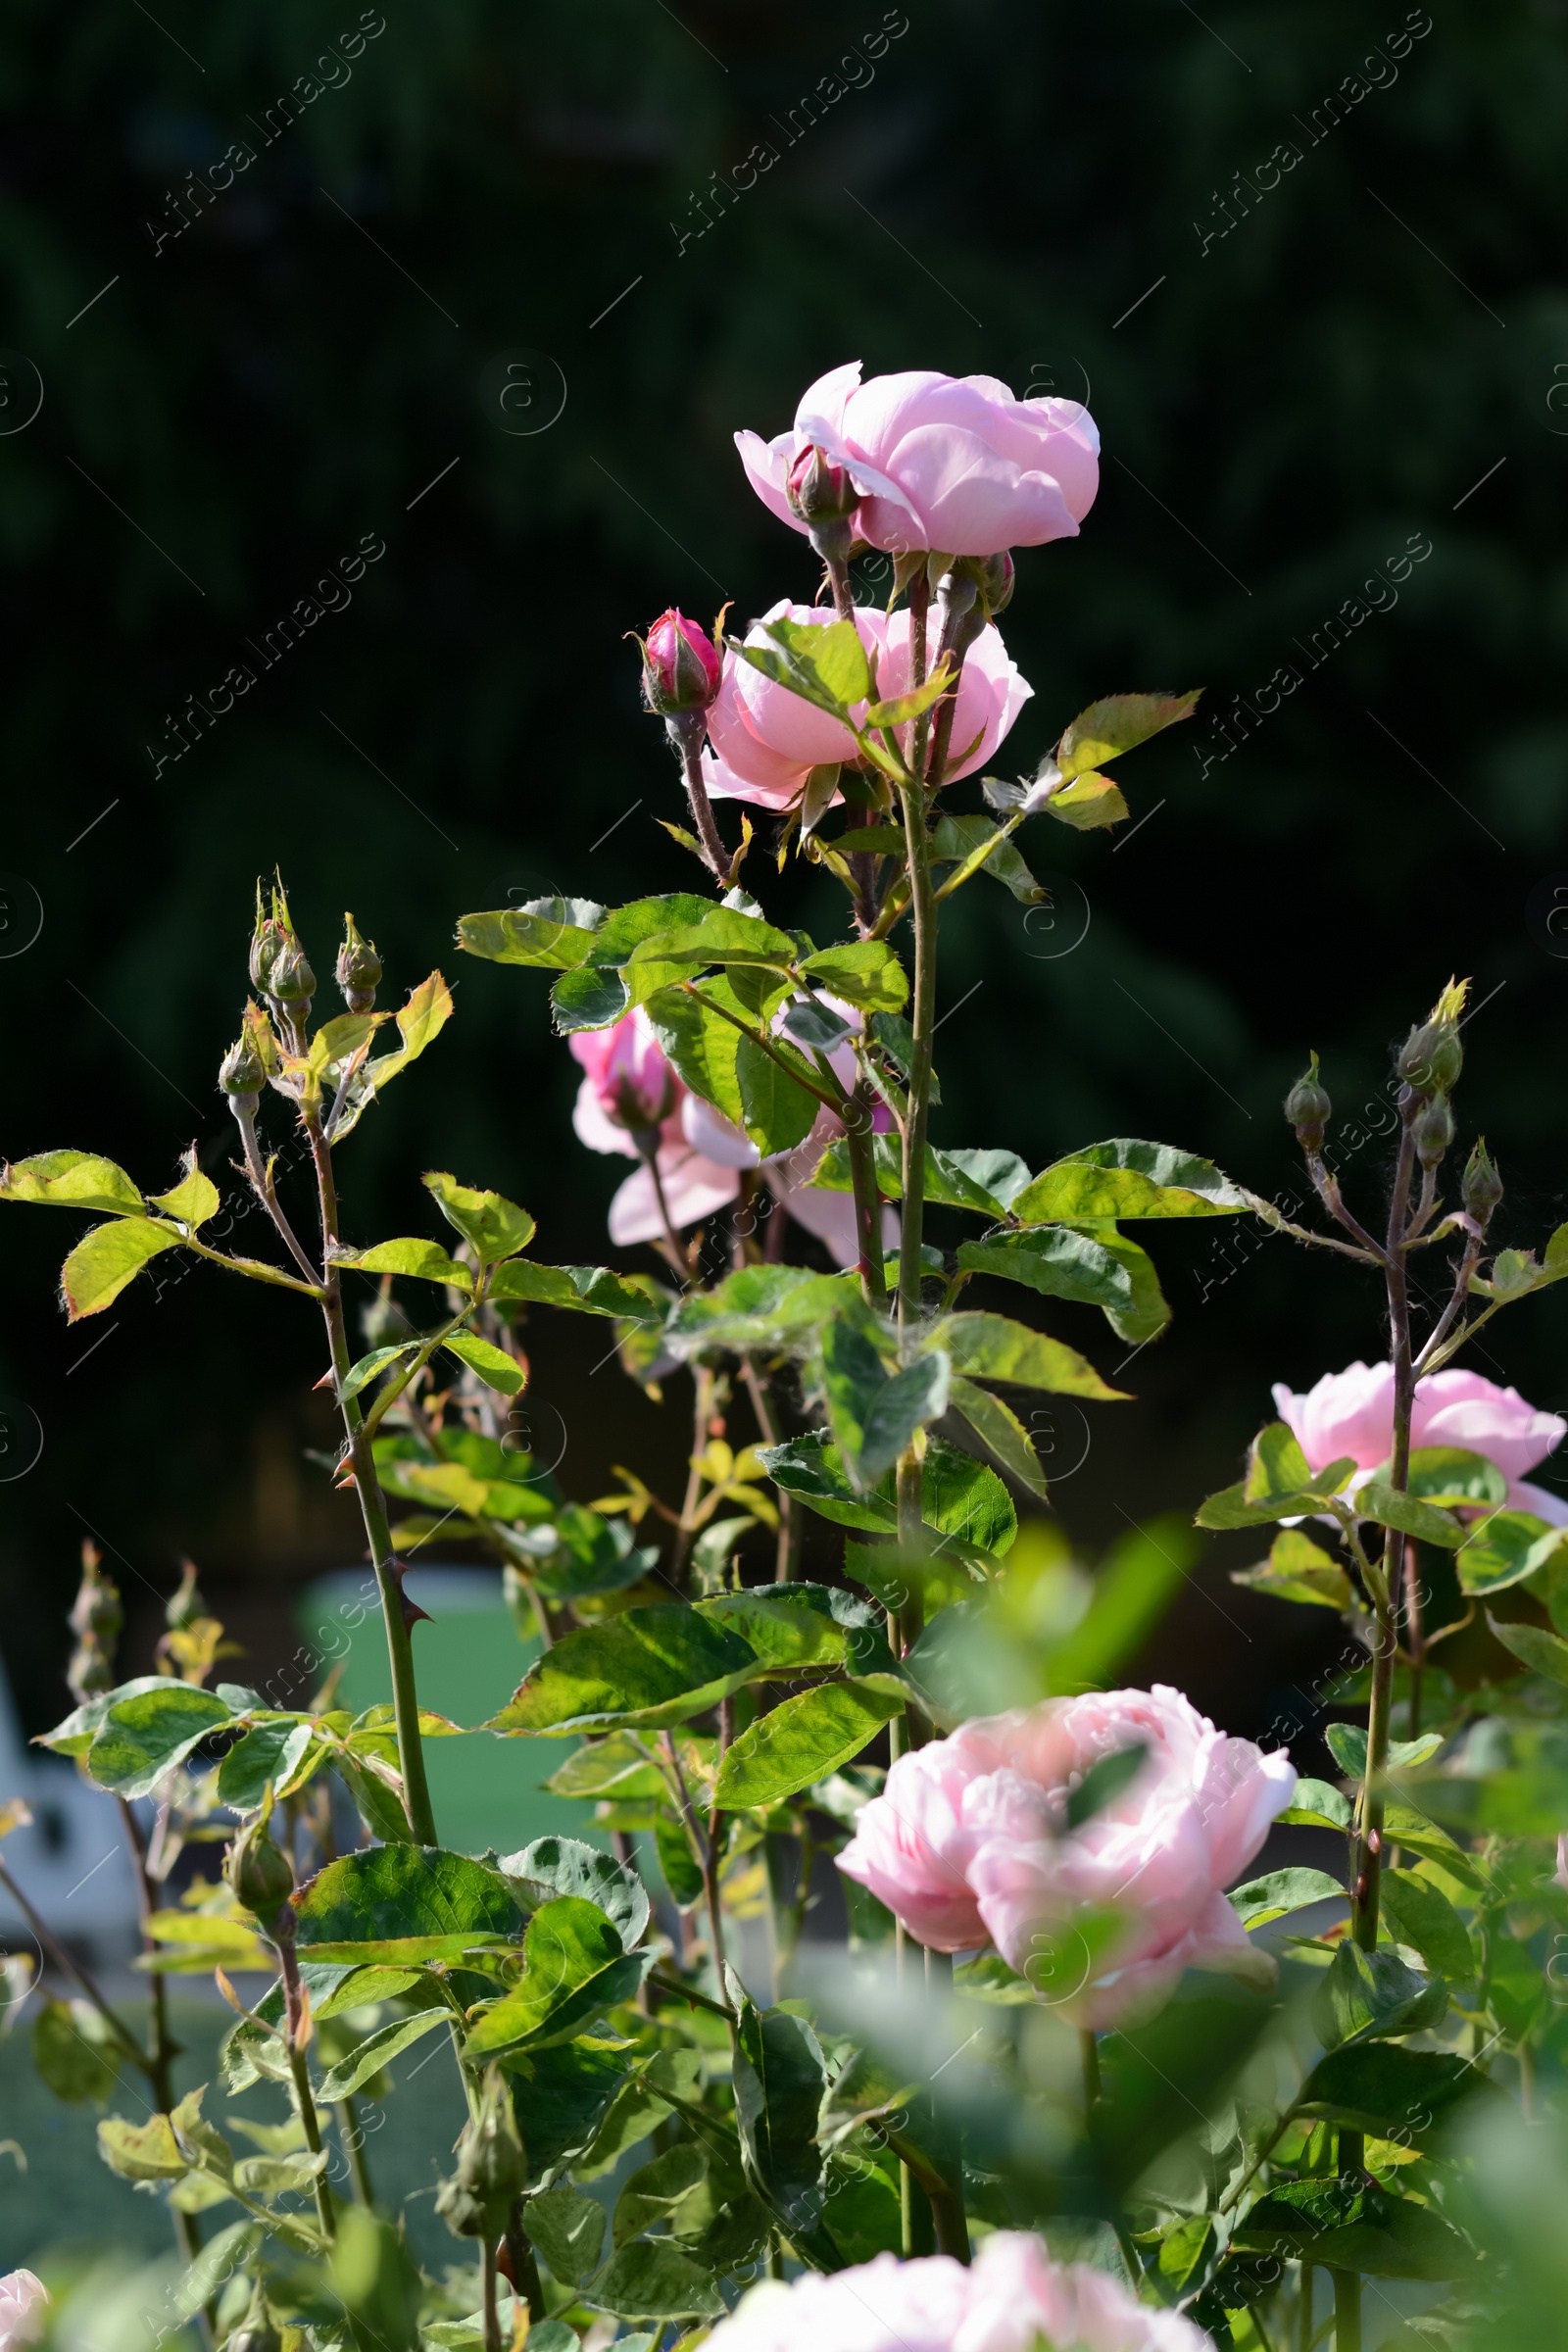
(766, 740)
(954, 462)
(700, 1154)
(1012, 2298)
(680, 665)
(24, 2310)
(1351, 1412)
(969, 1839)
(1560, 1874)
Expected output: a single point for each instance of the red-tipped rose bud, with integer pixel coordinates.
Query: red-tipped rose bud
(358, 968)
(818, 489)
(681, 666)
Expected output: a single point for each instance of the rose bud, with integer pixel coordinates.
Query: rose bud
(261, 1875)
(994, 578)
(681, 666)
(358, 968)
(1308, 1110)
(242, 1077)
(1433, 1131)
(1482, 1188)
(819, 490)
(1432, 1058)
(491, 2168)
(292, 982)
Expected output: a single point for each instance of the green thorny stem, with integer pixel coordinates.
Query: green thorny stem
(373, 1509)
(923, 915)
(163, 2049)
(296, 2034)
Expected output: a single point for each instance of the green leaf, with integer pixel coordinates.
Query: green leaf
(141, 2151)
(1367, 1996)
(654, 2280)
(1542, 1652)
(1127, 1178)
(1347, 1745)
(1321, 1805)
(1382, 2088)
(985, 1181)
(374, 2279)
(677, 1861)
(1116, 723)
(654, 2187)
(74, 2051)
(802, 1741)
(552, 1867)
(339, 1040)
(1185, 2253)
(1100, 1268)
(873, 1416)
(1266, 1492)
(568, 2230)
(71, 1180)
(420, 1021)
(958, 838)
(370, 1367)
(864, 972)
(267, 1752)
(779, 2075)
(1347, 2227)
(573, 1966)
(494, 1366)
(790, 1627)
(591, 1290)
(1418, 1914)
(565, 2091)
(776, 1111)
(1297, 1569)
(340, 2082)
(760, 1308)
(193, 1202)
(1133, 1588)
(426, 1261)
(1450, 1475)
(825, 662)
(493, 1226)
(142, 1737)
(645, 1667)
(1276, 1467)
(958, 1497)
(1089, 801)
(408, 1903)
(702, 1047)
(544, 934)
(104, 1260)
(993, 1347)
(1281, 1891)
(900, 708)
(1504, 1548)
(999, 1428)
(599, 993)
(722, 935)
(1388, 1507)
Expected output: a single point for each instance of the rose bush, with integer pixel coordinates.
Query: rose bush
(969, 1842)
(944, 461)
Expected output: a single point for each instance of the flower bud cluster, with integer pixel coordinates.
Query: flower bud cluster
(279, 966)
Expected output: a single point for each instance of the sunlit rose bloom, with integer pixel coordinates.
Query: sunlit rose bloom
(1012, 2298)
(969, 1841)
(24, 2310)
(1351, 1413)
(944, 461)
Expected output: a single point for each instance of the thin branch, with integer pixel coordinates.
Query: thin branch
(265, 1191)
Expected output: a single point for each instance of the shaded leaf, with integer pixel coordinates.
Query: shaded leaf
(1281, 1891)
(404, 1902)
(1101, 1269)
(1116, 723)
(650, 1666)
(556, 1866)
(573, 1966)
(568, 2230)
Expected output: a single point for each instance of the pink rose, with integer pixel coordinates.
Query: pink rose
(944, 461)
(1012, 2298)
(969, 1839)
(631, 1088)
(24, 2310)
(766, 740)
(1351, 1412)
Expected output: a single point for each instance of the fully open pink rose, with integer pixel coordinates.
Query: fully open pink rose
(24, 2310)
(1351, 1412)
(766, 740)
(968, 1840)
(954, 462)
(1012, 2298)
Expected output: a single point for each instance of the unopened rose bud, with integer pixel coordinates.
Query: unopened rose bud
(818, 489)
(241, 1076)
(261, 1875)
(358, 968)
(994, 579)
(1482, 1188)
(96, 1618)
(681, 666)
(1432, 1058)
(491, 2169)
(291, 981)
(185, 1603)
(267, 946)
(1433, 1131)
(1308, 1108)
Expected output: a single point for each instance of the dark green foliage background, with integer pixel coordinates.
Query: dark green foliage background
(1279, 414)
